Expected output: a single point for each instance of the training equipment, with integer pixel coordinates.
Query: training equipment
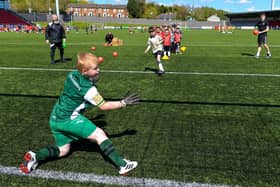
(106, 44)
(93, 48)
(183, 48)
(117, 42)
(115, 54)
(165, 57)
(30, 163)
(255, 32)
(130, 165)
(64, 44)
(100, 59)
(130, 99)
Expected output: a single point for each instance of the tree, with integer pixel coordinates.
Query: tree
(142, 6)
(201, 14)
(151, 11)
(136, 8)
(181, 12)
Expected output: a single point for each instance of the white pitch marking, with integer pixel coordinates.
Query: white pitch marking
(103, 179)
(214, 44)
(149, 72)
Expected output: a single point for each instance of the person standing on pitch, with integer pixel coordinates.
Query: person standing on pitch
(155, 42)
(55, 36)
(177, 38)
(167, 42)
(263, 28)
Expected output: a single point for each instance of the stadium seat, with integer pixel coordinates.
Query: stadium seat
(10, 18)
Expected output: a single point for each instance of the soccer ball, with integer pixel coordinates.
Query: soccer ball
(255, 32)
(100, 59)
(115, 54)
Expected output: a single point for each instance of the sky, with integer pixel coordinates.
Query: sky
(228, 5)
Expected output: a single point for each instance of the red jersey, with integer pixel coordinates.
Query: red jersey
(177, 37)
(166, 39)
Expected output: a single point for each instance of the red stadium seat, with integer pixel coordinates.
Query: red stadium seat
(10, 18)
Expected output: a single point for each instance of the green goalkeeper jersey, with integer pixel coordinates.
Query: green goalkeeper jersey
(78, 93)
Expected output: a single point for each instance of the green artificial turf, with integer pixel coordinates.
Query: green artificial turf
(191, 128)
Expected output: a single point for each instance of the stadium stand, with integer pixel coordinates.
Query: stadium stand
(10, 18)
(250, 18)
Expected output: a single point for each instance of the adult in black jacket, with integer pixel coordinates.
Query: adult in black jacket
(55, 35)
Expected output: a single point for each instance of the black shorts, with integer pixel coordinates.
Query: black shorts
(157, 53)
(166, 48)
(56, 45)
(262, 39)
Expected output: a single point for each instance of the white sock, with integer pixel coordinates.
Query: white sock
(160, 67)
(258, 52)
(168, 53)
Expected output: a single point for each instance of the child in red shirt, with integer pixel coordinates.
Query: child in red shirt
(177, 39)
(166, 42)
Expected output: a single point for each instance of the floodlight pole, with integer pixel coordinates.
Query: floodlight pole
(57, 8)
(272, 4)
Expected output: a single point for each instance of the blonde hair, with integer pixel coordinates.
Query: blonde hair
(85, 61)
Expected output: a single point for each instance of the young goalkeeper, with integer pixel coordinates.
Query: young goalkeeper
(68, 124)
(156, 43)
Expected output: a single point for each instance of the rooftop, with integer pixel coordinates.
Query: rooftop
(91, 5)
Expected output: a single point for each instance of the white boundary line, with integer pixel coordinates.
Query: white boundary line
(103, 179)
(211, 44)
(148, 72)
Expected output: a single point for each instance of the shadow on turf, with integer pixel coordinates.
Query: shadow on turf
(65, 59)
(159, 101)
(247, 54)
(87, 146)
(100, 122)
(151, 69)
(155, 71)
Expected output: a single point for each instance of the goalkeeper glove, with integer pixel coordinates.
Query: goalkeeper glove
(130, 99)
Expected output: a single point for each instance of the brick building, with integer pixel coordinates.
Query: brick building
(98, 10)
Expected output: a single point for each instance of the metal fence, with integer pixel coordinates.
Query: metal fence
(34, 17)
(190, 24)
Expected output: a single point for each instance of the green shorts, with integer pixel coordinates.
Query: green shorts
(67, 131)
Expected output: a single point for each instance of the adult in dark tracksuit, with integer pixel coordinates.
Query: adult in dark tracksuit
(55, 36)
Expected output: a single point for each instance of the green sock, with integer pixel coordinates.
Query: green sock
(48, 152)
(108, 149)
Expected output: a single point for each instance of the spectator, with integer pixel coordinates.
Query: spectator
(55, 36)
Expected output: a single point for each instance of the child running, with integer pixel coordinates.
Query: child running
(155, 42)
